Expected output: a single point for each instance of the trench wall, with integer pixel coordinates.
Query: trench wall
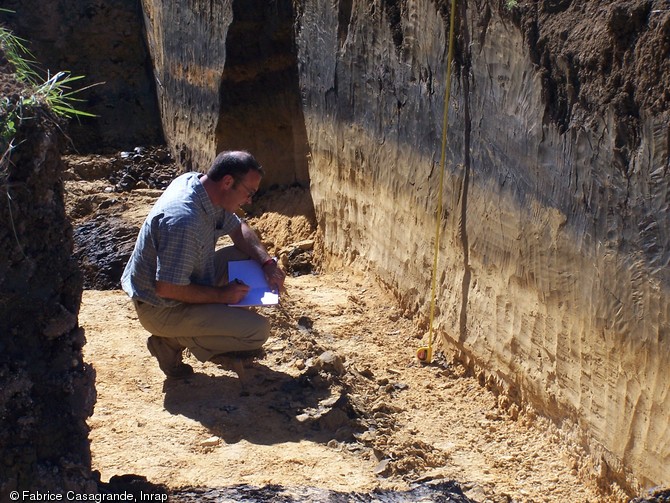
(103, 42)
(552, 271)
(46, 389)
(227, 78)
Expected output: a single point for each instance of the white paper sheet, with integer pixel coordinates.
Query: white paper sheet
(251, 273)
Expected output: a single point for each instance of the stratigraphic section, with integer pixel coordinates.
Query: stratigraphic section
(46, 389)
(187, 42)
(552, 261)
(227, 78)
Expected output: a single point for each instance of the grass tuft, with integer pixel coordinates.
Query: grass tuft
(54, 93)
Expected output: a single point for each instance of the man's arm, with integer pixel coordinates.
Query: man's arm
(246, 240)
(231, 293)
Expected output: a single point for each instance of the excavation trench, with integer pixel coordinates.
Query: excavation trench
(339, 407)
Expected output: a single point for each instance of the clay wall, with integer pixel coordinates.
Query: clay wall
(552, 261)
(46, 389)
(228, 79)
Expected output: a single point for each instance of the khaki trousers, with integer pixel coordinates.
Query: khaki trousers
(208, 330)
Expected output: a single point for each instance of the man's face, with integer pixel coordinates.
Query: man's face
(234, 194)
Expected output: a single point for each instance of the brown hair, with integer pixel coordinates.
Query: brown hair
(235, 163)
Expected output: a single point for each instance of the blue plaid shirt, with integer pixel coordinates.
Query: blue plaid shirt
(177, 241)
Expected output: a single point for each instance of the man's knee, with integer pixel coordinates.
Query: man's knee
(262, 332)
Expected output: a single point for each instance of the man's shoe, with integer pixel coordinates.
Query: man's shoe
(168, 354)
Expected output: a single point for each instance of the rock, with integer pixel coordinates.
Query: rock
(331, 363)
(211, 442)
(305, 322)
(382, 466)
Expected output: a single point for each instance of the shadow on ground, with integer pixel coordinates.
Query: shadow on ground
(265, 407)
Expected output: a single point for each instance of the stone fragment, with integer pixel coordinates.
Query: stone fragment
(211, 442)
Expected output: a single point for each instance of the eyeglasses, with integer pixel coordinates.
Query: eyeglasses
(250, 193)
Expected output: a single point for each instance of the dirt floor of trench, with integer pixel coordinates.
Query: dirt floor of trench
(339, 401)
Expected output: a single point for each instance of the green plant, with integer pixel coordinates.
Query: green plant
(54, 92)
(17, 54)
(57, 94)
(511, 4)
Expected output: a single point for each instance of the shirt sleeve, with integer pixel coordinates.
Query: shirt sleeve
(227, 223)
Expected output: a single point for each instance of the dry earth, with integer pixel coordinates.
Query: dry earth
(338, 402)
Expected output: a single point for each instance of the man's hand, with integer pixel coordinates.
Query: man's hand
(274, 275)
(236, 291)
(247, 240)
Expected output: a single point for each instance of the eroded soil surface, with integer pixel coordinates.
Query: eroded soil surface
(338, 407)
